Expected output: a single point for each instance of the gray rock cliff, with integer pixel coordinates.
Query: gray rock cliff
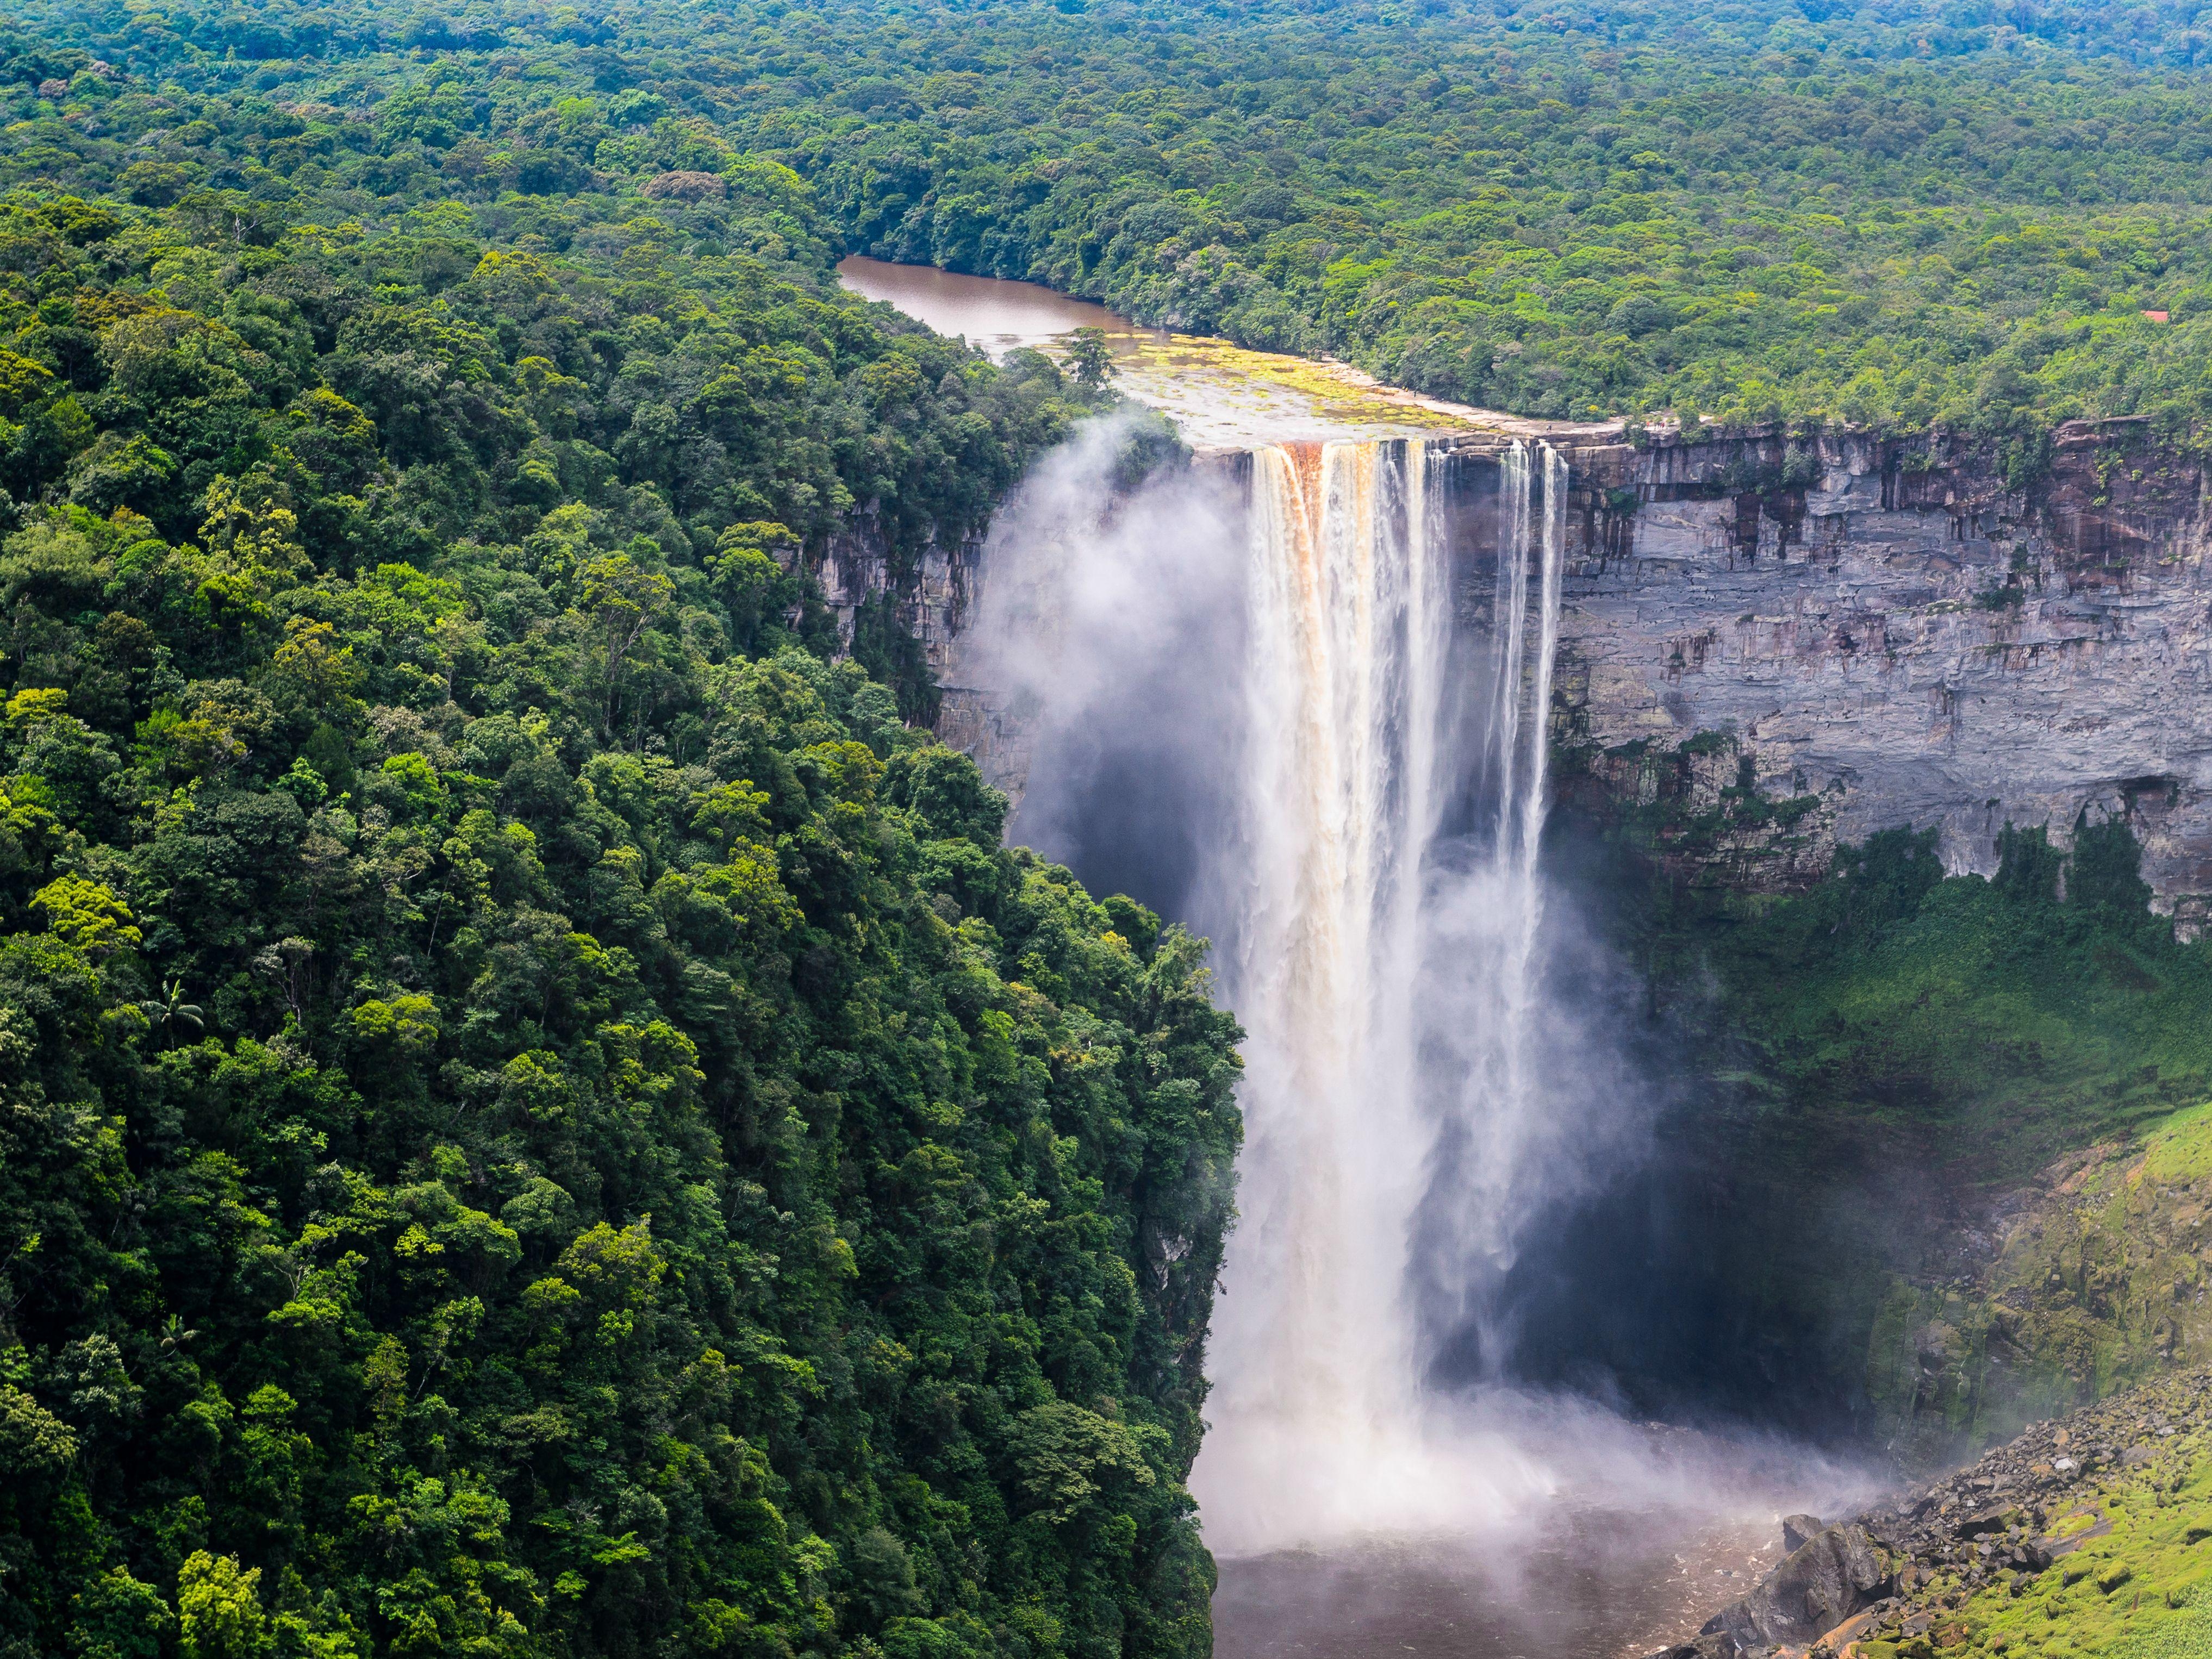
(1769, 646)
(1873, 633)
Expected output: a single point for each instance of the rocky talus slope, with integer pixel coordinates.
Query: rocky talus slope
(2087, 1535)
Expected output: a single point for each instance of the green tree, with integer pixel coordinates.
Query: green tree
(1091, 357)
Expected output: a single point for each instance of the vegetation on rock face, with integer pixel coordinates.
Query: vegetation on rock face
(1917, 1063)
(2095, 1279)
(536, 1114)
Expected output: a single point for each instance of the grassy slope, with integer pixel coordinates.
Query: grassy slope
(2138, 1586)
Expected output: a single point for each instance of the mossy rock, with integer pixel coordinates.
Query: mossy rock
(2142, 1591)
(2095, 1287)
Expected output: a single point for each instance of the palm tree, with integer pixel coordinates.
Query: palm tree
(173, 1010)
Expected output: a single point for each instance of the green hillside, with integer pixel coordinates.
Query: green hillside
(537, 1117)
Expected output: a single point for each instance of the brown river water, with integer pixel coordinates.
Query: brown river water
(1218, 394)
(1578, 1580)
(1629, 1535)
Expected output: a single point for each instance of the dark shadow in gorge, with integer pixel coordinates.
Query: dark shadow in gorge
(1612, 1288)
(1675, 1286)
(1730, 1271)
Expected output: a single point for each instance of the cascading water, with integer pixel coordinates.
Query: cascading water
(1346, 629)
(1482, 1032)
(1308, 742)
(1357, 760)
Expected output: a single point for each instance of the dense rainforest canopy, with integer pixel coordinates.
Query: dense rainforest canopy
(537, 1115)
(1896, 213)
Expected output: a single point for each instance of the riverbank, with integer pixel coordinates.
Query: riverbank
(1219, 394)
(2087, 1535)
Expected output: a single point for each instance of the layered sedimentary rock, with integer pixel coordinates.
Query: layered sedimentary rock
(1769, 647)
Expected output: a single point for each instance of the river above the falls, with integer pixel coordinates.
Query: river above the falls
(1549, 1529)
(1220, 395)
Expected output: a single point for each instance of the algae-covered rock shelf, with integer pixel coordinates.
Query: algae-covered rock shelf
(2091, 1277)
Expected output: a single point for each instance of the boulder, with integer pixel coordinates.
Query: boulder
(1983, 1522)
(1818, 1586)
(1799, 1530)
(1707, 1645)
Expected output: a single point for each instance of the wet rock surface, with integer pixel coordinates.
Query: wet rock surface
(2030, 1524)
(1820, 1585)
(1799, 1530)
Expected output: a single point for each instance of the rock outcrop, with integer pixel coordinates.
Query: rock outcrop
(2086, 1527)
(2097, 1275)
(931, 591)
(1799, 1530)
(1831, 1576)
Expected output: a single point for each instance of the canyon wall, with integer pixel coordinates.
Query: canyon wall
(1769, 646)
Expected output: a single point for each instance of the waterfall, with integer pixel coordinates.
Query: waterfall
(1289, 703)
(1482, 1032)
(1360, 1100)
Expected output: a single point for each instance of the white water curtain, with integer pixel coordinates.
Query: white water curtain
(1363, 964)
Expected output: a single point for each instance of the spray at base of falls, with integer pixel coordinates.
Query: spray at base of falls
(1372, 1077)
(1265, 699)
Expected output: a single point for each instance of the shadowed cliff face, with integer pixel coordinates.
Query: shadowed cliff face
(1771, 646)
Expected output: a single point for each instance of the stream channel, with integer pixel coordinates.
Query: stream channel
(1551, 1529)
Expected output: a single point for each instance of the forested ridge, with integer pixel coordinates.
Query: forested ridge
(1898, 214)
(1894, 216)
(537, 1115)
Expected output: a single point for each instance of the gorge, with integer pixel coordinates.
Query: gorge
(1746, 652)
(1482, 933)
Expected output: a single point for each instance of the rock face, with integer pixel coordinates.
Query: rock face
(930, 592)
(2094, 1276)
(1873, 633)
(1820, 1585)
(1799, 1530)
